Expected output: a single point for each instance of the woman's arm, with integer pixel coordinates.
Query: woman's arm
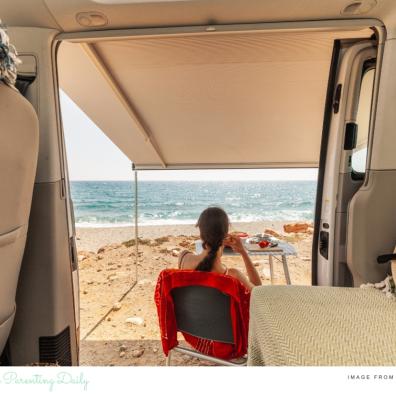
(237, 246)
(252, 273)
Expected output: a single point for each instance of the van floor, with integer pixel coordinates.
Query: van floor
(129, 333)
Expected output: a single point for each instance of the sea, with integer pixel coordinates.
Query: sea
(111, 203)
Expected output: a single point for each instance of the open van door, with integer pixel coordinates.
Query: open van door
(343, 156)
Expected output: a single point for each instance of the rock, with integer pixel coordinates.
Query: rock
(99, 257)
(123, 348)
(275, 234)
(266, 273)
(85, 292)
(137, 353)
(122, 354)
(296, 227)
(155, 350)
(175, 253)
(136, 320)
(144, 282)
(117, 306)
(101, 250)
(108, 319)
(184, 244)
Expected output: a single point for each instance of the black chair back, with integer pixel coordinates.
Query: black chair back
(203, 312)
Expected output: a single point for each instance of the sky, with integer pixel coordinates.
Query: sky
(92, 155)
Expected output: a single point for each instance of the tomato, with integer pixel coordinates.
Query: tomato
(264, 244)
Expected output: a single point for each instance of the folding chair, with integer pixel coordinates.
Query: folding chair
(204, 312)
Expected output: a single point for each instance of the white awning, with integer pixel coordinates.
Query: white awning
(252, 99)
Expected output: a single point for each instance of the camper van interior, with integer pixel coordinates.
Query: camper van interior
(285, 84)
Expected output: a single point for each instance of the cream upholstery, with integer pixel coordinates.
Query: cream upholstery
(18, 158)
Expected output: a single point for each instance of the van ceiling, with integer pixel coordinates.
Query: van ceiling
(253, 99)
(64, 14)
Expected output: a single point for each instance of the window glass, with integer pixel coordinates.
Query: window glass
(359, 154)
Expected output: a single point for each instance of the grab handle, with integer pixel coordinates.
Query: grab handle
(383, 259)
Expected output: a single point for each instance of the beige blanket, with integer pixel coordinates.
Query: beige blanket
(321, 326)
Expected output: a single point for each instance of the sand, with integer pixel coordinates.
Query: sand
(92, 239)
(119, 325)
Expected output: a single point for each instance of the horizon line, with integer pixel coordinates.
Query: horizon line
(172, 180)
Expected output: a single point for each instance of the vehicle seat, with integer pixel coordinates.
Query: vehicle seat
(18, 160)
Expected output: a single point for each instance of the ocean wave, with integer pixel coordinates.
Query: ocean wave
(111, 204)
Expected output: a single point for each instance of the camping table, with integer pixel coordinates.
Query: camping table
(284, 249)
(321, 326)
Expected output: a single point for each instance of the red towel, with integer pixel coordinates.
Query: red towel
(239, 296)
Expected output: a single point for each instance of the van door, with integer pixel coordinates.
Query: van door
(343, 156)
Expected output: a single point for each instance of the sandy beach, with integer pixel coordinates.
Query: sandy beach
(119, 325)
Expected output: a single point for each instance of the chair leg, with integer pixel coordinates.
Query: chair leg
(168, 359)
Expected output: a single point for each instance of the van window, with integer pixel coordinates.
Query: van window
(359, 154)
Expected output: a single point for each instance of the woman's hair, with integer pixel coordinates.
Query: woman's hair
(213, 225)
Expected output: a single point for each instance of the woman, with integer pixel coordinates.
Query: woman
(213, 225)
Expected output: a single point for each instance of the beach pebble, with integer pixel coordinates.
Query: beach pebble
(144, 282)
(175, 253)
(117, 306)
(266, 273)
(136, 320)
(155, 350)
(122, 354)
(137, 353)
(123, 348)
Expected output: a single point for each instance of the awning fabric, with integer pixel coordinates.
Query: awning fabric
(246, 99)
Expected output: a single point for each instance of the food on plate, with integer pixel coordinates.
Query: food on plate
(263, 241)
(264, 244)
(240, 234)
